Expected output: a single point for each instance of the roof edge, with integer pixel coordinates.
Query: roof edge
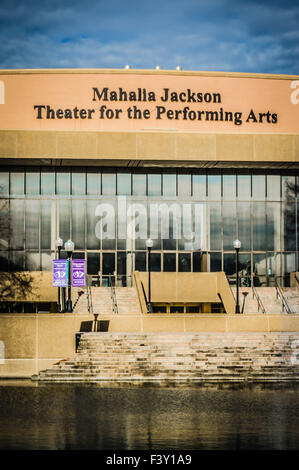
(147, 72)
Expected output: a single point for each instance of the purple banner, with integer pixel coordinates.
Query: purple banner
(60, 273)
(78, 272)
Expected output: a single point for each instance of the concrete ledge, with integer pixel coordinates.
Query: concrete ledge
(148, 146)
(33, 342)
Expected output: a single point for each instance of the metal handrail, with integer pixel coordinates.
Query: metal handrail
(81, 292)
(88, 295)
(113, 295)
(138, 294)
(284, 303)
(229, 283)
(259, 300)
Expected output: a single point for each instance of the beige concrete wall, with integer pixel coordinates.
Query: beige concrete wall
(186, 287)
(33, 342)
(40, 287)
(148, 146)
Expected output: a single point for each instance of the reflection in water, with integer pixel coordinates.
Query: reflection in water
(113, 416)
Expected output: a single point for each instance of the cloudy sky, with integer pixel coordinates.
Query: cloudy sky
(227, 35)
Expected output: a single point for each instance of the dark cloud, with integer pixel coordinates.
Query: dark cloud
(229, 35)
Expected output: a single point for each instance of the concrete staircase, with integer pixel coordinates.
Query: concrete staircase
(267, 295)
(292, 296)
(211, 357)
(126, 299)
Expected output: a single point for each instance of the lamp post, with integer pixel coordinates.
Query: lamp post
(237, 246)
(69, 248)
(149, 244)
(59, 244)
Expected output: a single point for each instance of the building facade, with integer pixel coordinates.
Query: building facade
(109, 158)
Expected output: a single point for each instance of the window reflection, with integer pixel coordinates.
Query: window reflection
(78, 182)
(259, 269)
(273, 187)
(215, 226)
(229, 261)
(199, 186)
(156, 262)
(108, 263)
(184, 185)
(64, 219)
(289, 226)
(92, 241)
(32, 261)
(139, 184)
(259, 226)
(5, 224)
(108, 228)
(121, 263)
(244, 187)
(108, 183)
(47, 178)
(16, 261)
(273, 226)
(244, 226)
(47, 207)
(93, 182)
(288, 185)
(215, 262)
(197, 262)
(169, 184)
(258, 187)
(4, 183)
(93, 263)
(289, 266)
(169, 227)
(16, 226)
(63, 182)
(184, 262)
(245, 269)
(78, 223)
(154, 184)
(229, 225)
(17, 182)
(32, 182)
(32, 224)
(169, 262)
(124, 184)
(214, 187)
(140, 261)
(229, 187)
(46, 261)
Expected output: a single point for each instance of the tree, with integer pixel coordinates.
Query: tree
(14, 284)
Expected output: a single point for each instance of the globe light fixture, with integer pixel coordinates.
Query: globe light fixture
(69, 247)
(59, 245)
(149, 244)
(237, 246)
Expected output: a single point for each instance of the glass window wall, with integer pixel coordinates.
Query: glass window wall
(260, 208)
